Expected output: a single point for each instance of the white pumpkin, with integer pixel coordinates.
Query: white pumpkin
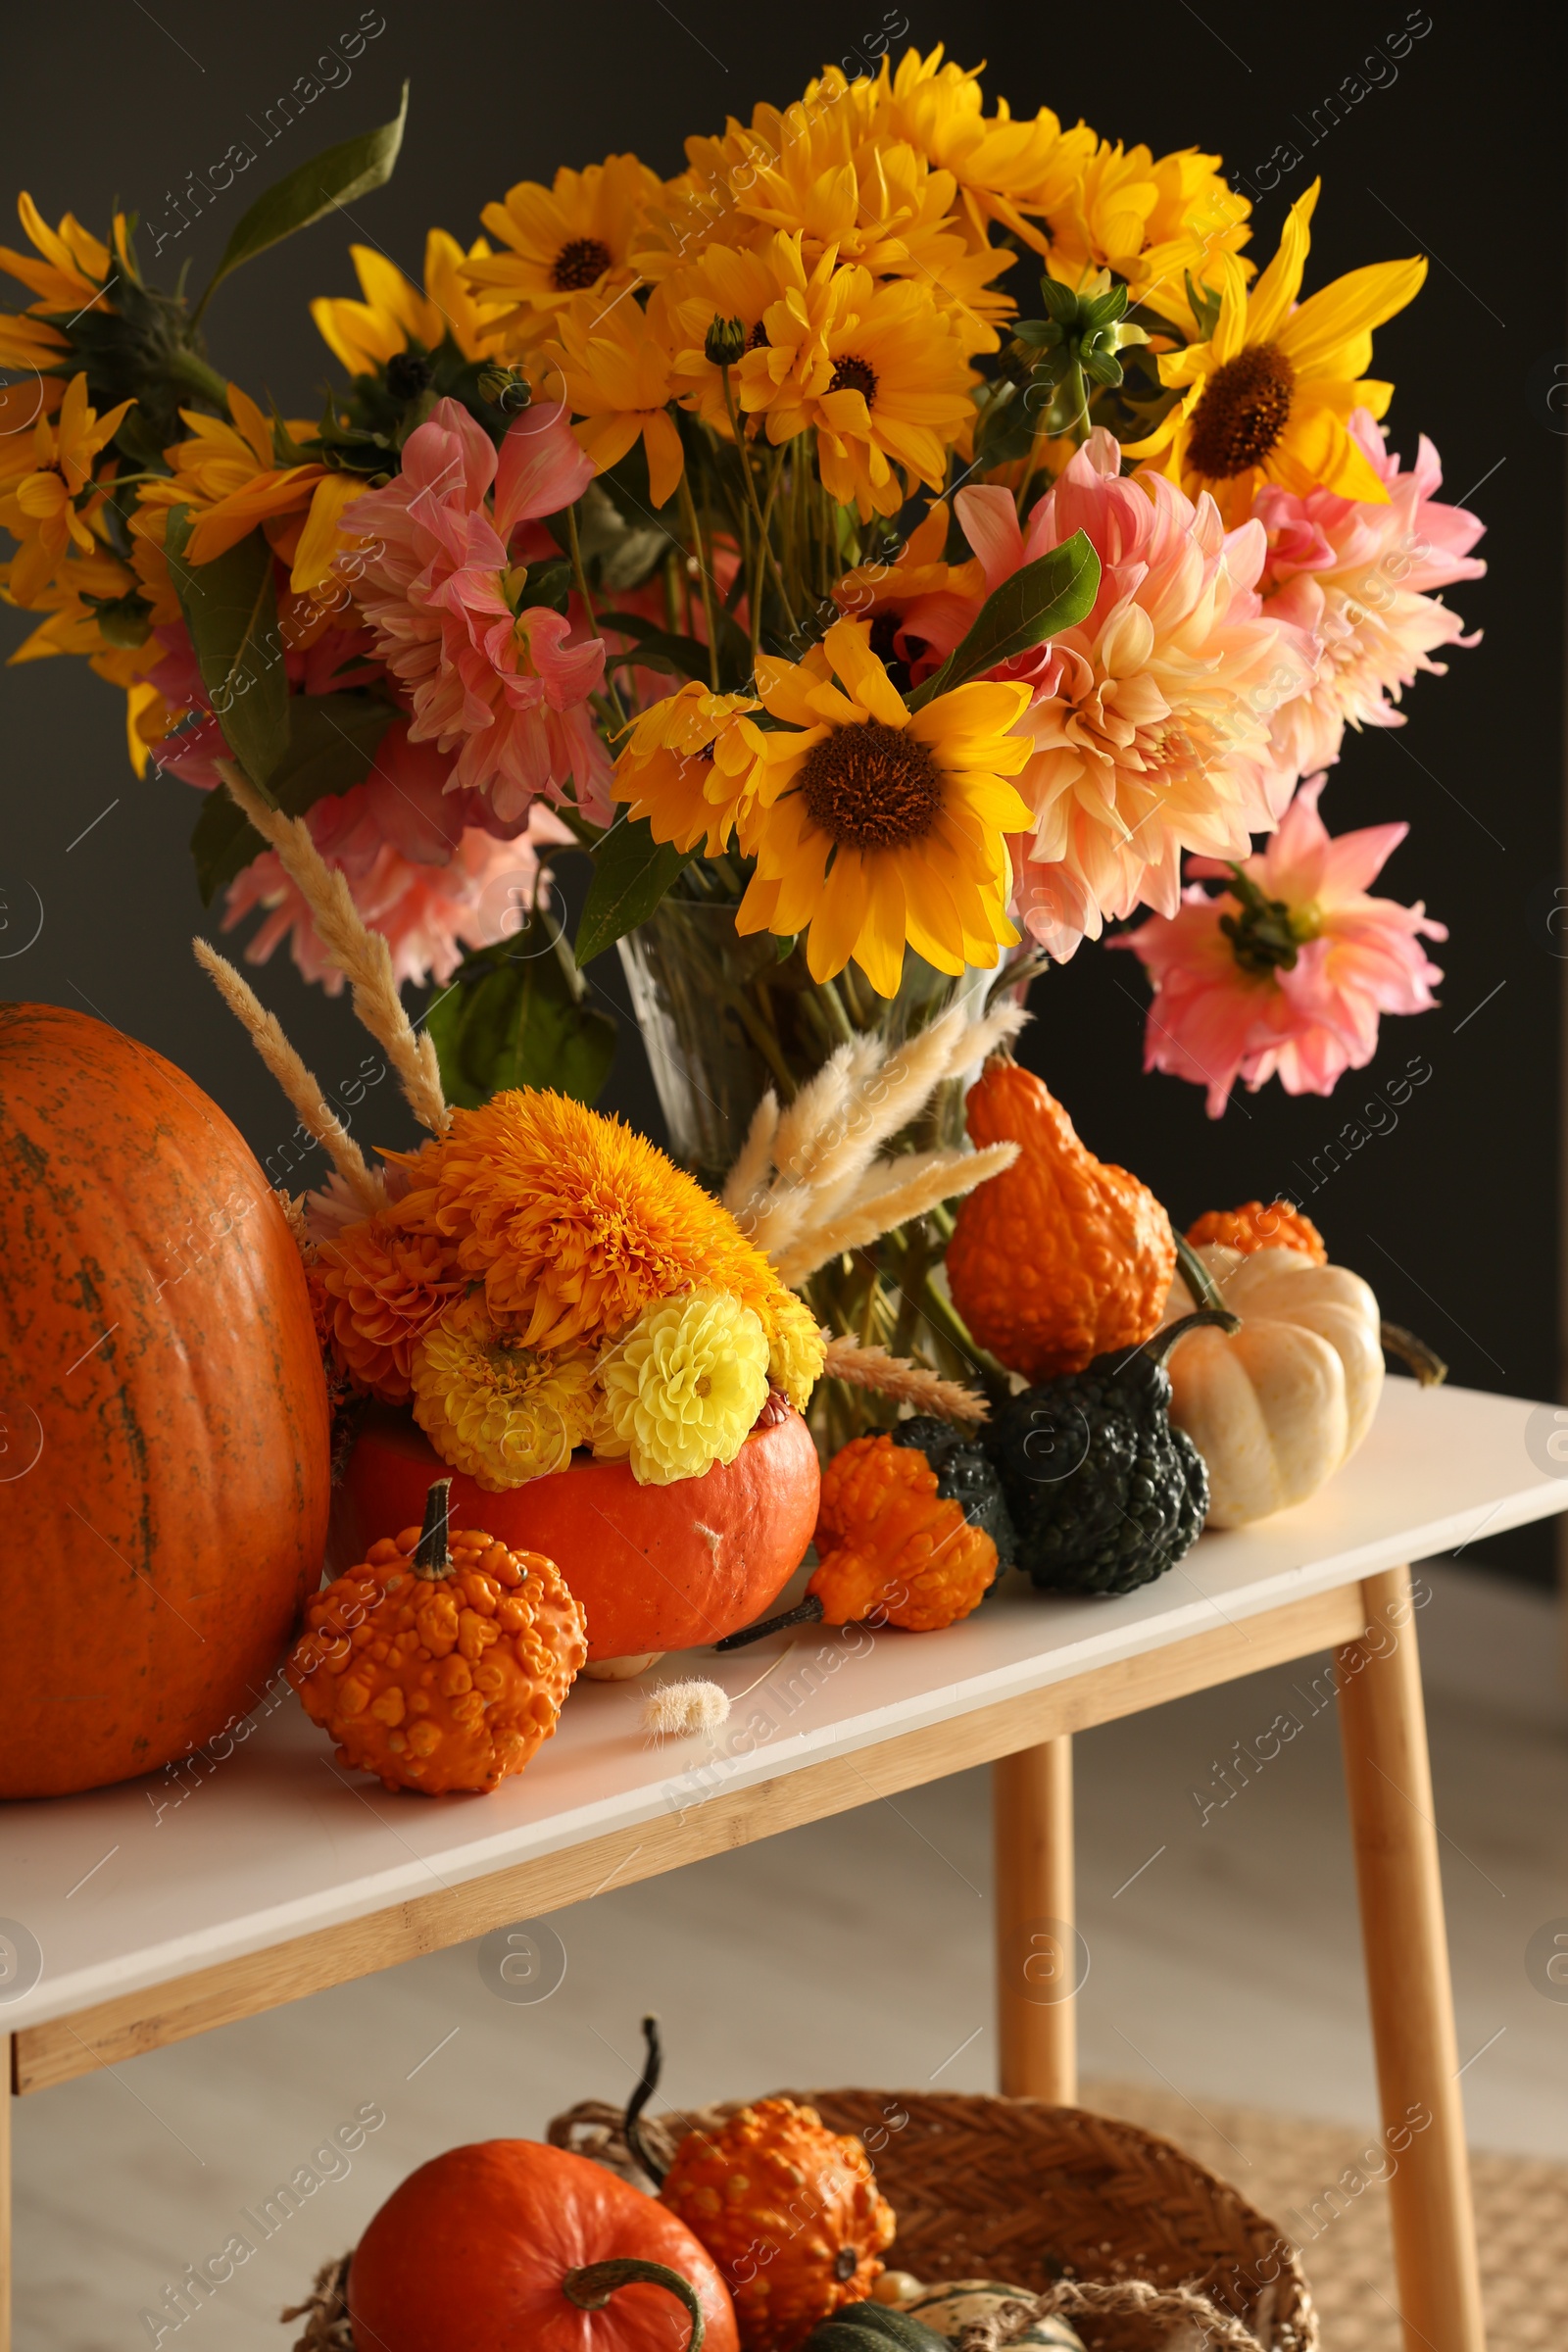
(1275, 1408)
(950, 2308)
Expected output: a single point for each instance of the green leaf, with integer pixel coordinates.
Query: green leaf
(231, 613)
(336, 177)
(658, 649)
(331, 744)
(519, 1013)
(1051, 593)
(631, 874)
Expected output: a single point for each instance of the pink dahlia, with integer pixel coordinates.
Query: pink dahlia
(1151, 719)
(1285, 972)
(433, 885)
(489, 676)
(1355, 576)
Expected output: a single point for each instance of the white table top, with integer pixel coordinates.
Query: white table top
(132, 1886)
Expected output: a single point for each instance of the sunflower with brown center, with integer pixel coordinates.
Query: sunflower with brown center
(569, 238)
(1267, 398)
(876, 826)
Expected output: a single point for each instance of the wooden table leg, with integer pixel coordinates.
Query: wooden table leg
(1389, 1781)
(5, 2192)
(1035, 1950)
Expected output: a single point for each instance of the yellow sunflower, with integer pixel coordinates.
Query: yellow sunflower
(365, 335)
(1004, 168)
(1268, 397)
(879, 827)
(1151, 218)
(616, 365)
(229, 476)
(49, 508)
(571, 238)
(69, 275)
(690, 767)
(874, 371)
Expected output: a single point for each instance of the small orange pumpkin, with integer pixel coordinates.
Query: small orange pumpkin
(789, 2211)
(1061, 1258)
(887, 1540)
(440, 1663)
(1253, 1227)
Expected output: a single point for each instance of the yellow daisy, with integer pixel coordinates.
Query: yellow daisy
(879, 827)
(690, 767)
(617, 367)
(365, 335)
(229, 476)
(573, 237)
(873, 370)
(1150, 219)
(1268, 397)
(49, 508)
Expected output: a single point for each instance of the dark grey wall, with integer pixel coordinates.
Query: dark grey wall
(1452, 1213)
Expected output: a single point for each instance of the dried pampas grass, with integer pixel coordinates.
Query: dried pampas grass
(808, 1183)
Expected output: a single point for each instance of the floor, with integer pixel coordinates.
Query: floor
(1217, 1905)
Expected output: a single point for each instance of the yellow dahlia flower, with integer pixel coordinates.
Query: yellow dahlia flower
(1269, 396)
(683, 1389)
(495, 1408)
(690, 767)
(879, 825)
(365, 335)
(796, 1356)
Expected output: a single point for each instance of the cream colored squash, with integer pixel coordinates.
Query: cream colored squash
(1275, 1408)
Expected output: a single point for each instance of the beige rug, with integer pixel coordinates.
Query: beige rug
(1286, 2169)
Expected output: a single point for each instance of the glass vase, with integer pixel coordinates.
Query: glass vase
(725, 1018)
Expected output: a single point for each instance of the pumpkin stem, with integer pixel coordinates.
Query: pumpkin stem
(1160, 1344)
(1424, 1361)
(647, 2084)
(432, 1555)
(591, 2286)
(1200, 1280)
(808, 1612)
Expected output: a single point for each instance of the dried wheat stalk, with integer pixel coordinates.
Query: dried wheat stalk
(304, 1091)
(868, 1367)
(360, 953)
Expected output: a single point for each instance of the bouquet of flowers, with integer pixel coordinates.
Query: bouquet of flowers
(888, 548)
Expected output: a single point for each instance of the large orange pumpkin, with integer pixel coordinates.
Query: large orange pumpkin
(653, 1568)
(488, 2250)
(164, 1483)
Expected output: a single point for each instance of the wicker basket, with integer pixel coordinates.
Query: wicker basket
(1015, 2190)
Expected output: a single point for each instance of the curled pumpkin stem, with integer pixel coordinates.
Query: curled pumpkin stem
(647, 2084)
(1424, 1361)
(592, 2287)
(1200, 1280)
(806, 1612)
(1157, 1347)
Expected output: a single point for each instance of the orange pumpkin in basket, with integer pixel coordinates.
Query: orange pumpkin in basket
(1061, 1258)
(509, 2246)
(790, 2212)
(164, 1444)
(440, 1665)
